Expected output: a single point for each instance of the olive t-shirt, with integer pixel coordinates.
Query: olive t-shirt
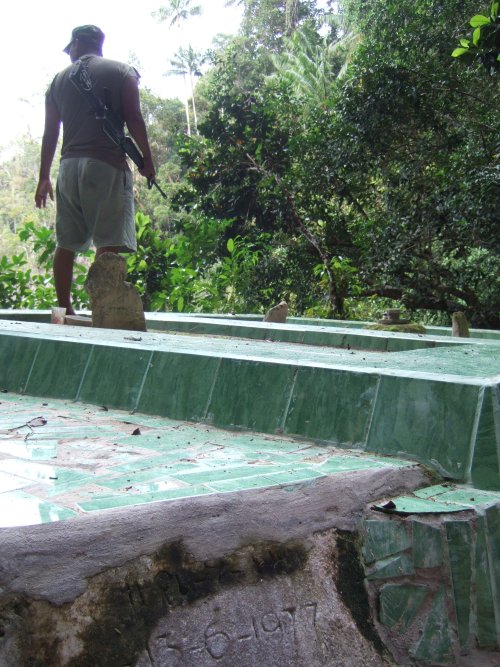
(83, 135)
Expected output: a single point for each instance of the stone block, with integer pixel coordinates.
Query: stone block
(115, 304)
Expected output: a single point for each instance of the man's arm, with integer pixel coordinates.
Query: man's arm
(134, 120)
(49, 145)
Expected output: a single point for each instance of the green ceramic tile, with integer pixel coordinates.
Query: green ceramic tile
(459, 542)
(469, 496)
(36, 451)
(293, 475)
(485, 472)
(428, 420)
(390, 568)
(99, 503)
(218, 459)
(22, 509)
(433, 491)
(399, 604)
(384, 538)
(366, 341)
(234, 485)
(266, 444)
(337, 464)
(160, 485)
(17, 354)
(285, 460)
(146, 420)
(9, 482)
(427, 545)
(119, 480)
(280, 335)
(222, 474)
(168, 441)
(434, 644)
(331, 405)
(415, 505)
(58, 369)
(57, 478)
(486, 631)
(250, 395)
(492, 516)
(178, 385)
(166, 462)
(404, 343)
(114, 376)
(456, 359)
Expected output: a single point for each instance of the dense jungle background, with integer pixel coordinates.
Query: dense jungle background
(341, 159)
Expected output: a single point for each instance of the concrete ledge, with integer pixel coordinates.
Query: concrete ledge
(185, 580)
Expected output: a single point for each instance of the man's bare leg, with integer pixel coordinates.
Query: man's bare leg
(63, 277)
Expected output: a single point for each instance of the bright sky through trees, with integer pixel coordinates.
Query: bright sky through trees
(34, 34)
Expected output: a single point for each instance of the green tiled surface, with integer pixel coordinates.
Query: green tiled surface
(115, 376)
(435, 642)
(459, 541)
(393, 567)
(458, 552)
(245, 396)
(23, 509)
(427, 545)
(93, 461)
(455, 360)
(485, 469)
(17, 355)
(334, 406)
(443, 399)
(383, 538)
(399, 605)
(486, 630)
(50, 378)
(178, 386)
(421, 415)
(492, 515)
(195, 321)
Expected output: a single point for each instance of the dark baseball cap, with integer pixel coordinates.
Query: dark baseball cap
(88, 33)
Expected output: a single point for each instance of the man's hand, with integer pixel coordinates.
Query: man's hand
(148, 170)
(43, 189)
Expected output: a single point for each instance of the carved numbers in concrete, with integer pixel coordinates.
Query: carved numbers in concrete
(220, 639)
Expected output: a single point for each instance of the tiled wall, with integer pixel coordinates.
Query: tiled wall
(434, 581)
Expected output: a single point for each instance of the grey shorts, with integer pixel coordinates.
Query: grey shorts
(95, 203)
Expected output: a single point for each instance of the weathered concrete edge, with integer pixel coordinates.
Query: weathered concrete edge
(53, 561)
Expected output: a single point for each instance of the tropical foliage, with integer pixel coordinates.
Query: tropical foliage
(343, 159)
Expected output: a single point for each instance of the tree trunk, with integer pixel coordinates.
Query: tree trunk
(291, 15)
(195, 116)
(186, 106)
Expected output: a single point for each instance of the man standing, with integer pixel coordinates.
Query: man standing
(94, 193)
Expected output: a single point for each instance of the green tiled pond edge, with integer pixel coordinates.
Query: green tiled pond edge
(439, 406)
(433, 574)
(337, 333)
